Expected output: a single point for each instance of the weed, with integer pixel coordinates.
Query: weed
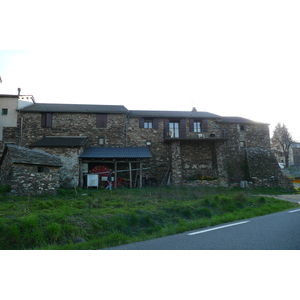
(53, 231)
(100, 219)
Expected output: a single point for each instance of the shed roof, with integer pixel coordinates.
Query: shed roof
(60, 141)
(172, 114)
(23, 155)
(116, 152)
(75, 108)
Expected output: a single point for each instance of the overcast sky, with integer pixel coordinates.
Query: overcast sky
(232, 58)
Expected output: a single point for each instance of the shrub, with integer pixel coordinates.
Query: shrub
(203, 212)
(262, 200)
(241, 197)
(53, 231)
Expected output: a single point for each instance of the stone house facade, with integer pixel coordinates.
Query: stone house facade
(161, 146)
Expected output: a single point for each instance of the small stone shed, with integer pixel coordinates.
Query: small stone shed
(29, 172)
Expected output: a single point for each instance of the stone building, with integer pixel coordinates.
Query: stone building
(157, 147)
(29, 172)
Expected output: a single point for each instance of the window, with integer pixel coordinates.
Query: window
(197, 126)
(4, 111)
(242, 127)
(46, 120)
(40, 169)
(101, 141)
(174, 129)
(101, 120)
(148, 124)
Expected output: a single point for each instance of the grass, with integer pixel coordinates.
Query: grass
(97, 219)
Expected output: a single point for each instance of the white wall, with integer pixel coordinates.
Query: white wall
(12, 104)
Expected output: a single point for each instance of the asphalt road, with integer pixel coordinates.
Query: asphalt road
(279, 231)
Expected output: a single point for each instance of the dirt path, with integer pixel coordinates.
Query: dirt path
(291, 198)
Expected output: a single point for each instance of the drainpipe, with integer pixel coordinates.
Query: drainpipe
(126, 130)
(21, 133)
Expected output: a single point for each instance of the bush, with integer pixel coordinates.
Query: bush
(53, 232)
(203, 212)
(241, 197)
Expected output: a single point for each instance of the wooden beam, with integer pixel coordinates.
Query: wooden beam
(116, 174)
(130, 175)
(141, 174)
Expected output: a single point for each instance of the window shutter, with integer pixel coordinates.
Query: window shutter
(204, 125)
(182, 128)
(191, 125)
(141, 121)
(46, 120)
(101, 121)
(166, 128)
(155, 123)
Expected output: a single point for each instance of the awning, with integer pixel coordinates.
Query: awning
(60, 141)
(116, 152)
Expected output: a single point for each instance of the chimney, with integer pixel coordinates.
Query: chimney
(194, 109)
(19, 91)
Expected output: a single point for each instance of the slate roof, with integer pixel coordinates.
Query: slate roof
(75, 108)
(60, 141)
(238, 120)
(172, 114)
(23, 155)
(116, 152)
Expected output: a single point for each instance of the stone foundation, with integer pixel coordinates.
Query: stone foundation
(206, 183)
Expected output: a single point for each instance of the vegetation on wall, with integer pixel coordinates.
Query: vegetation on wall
(200, 176)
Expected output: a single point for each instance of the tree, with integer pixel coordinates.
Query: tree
(283, 138)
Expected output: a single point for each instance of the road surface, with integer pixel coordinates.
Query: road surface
(279, 231)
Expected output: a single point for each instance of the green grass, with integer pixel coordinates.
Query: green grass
(97, 219)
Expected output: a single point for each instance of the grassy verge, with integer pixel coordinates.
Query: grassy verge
(97, 219)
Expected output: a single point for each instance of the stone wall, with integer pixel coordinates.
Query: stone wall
(25, 180)
(10, 135)
(252, 136)
(75, 124)
(264, 170)
(160, 151)
(29, 179)
(197, 159)
(69, 173)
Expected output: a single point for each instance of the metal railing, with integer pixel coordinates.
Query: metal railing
(184, 134)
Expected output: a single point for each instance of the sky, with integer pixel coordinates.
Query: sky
(231, 58)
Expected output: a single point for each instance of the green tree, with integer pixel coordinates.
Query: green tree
(283, 138)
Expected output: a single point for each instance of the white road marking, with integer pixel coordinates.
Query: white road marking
(220, 227)
(291, 211)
